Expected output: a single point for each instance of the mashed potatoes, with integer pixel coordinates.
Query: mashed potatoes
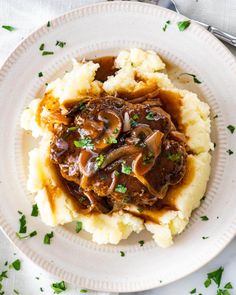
(56, 207)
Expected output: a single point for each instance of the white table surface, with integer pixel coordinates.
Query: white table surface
(26, 16)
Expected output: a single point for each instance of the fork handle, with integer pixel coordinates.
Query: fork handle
(228, 38)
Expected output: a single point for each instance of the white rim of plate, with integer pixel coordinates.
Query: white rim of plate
(5, 67)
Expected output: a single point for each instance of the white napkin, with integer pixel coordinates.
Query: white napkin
(26, 16)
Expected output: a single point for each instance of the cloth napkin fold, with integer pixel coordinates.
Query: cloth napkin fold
(26, 16)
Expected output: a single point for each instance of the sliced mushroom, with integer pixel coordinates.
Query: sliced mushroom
(87, 163)
(142, 129)
(113, 126)
(147, 96)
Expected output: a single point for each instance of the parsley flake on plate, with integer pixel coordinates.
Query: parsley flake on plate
(204, 218)
(58, 287)
(228, 286)
(8, 28)
(141, 243)
(216, 276)
(40, 74)
(41, 47)
(205, 238)
(48, 237)
(48, 24)
(166, 25)
(30, 235)
(35, 210)
(120, 188)
(183, 25)
(207, 283)
(83, 291)
(23, 227)
(47, 53)
(60, 44)
(79, 226)
(16, 264)
(195, 79)
(122, 253)
(230, 152)
(231, 128)
(193, 291)
(16, 291)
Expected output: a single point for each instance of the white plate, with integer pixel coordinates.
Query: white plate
(99, 30)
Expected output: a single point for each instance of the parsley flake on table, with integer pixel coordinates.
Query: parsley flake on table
(126, 169)
(122, 253)
(16, 264)
(48, 237)
(230, 152)
(231, 128)
(228, 286)
(193, 291)
(183, 25)
(41, 289)
(204, 238)
(23, 227)
(58, 287)
(8, 28)
(195, 79)
(120, 188)
(47, 53)
(204, 218)
(166, 25)
(40, 74)
(84, 143)
(83, 291)
(216, 276)
(141, 243)
(35, 210)
(60, 44)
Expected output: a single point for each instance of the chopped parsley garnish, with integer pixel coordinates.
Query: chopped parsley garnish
(60, 44)
(204, 238)
(207, 283)
(47, 53)
(83, 291)
(6, 263)
(148, 158)
(23, 227)
(82, 106)
(204, 218)
(99, 160)
(166, 25)
(48, 237)
(79, 226)
(228, 286)
(135, 117)
(174, 157)
(40, 74)
(35, 210)
(58, 287)
(48, 24)
(8, 28)
(120, 188)
(150, 116)
(73, 128)
(41, 289)
(141, 243)
(216, 276)
(30, 235)
(222, 292)
(15, 264)
(183, 25)
(41, 47)
(193, 291)
(82, 199)
(122, 253)
(126, 169)
(229, 151)
(84, 143)
(133, 123)
(117, 173)
(195, 79)
(116, 130)
(140, 209)
(16, 291)
(231, 128)
(111, 140)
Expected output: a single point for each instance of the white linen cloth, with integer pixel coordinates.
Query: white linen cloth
(26, 16)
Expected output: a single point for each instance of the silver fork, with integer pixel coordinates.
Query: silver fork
(170, 4)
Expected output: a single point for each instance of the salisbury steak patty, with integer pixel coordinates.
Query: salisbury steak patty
(114, 153)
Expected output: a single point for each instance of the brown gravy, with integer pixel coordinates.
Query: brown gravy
(107, 67)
